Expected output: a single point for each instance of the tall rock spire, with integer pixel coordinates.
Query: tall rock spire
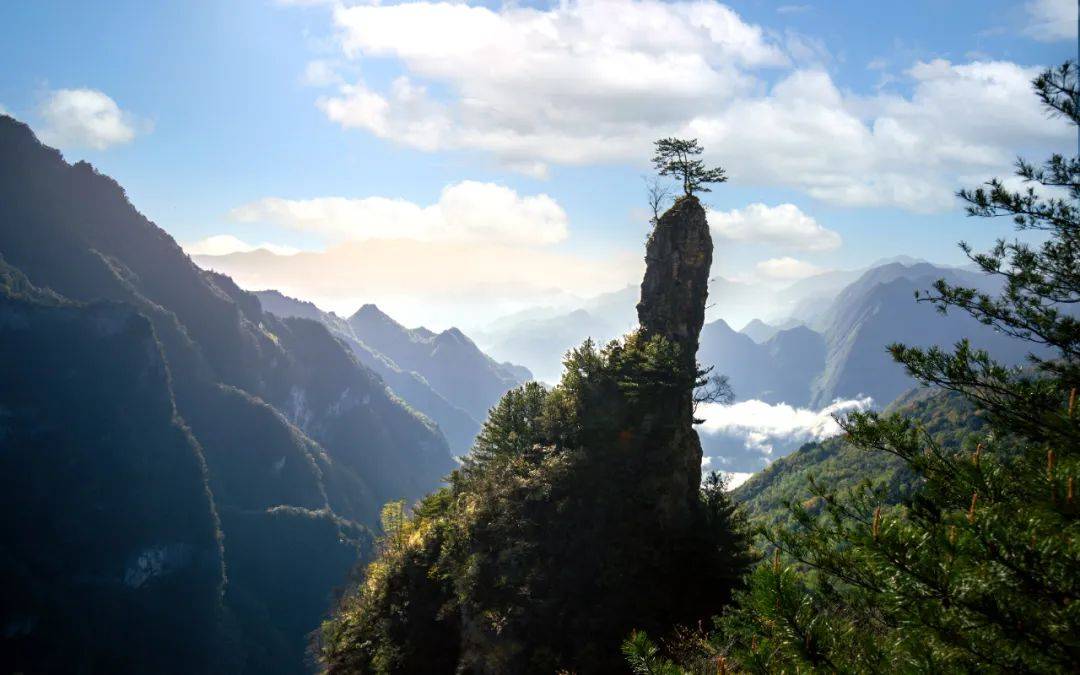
(678, 256)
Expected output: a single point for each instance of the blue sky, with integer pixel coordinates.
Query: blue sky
(276, 122)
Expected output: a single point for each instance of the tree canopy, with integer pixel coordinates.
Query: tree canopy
(679, 158)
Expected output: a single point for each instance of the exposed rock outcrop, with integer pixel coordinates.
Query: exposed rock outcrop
(678, 256)
(674, 290)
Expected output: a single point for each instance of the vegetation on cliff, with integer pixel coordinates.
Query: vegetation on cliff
(579, 513)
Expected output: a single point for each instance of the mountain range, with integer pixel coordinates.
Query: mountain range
(176, 459)
(842, 354)
(443, 375)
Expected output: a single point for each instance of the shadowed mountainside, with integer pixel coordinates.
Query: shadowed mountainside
(301, 443)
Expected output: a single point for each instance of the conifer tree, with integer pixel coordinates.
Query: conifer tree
(678, 157)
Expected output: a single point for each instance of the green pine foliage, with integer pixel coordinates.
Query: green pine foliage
(977, 570)
(677, 157)
(546, 549)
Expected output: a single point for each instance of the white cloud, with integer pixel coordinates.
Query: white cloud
(736, 478)
(594, 71)
(786, 269)
(1051, 20)
(785, 225)
(884, 150)
(321, 73)
(84, 118)
(765, 429)
(606, 77)
(468, 211)
(224, 244)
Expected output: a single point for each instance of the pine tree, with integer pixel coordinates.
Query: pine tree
(677, 157)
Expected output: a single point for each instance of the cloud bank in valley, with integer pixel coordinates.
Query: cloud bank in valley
(747, 435)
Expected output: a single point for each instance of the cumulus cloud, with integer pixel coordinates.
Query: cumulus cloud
(224, 244)
(785, 225)
(745, 436)
(786, 269)
(466, 211)
(84, 118)
(595, 71)
(603, 84)
(1051, 20)
(892, 150)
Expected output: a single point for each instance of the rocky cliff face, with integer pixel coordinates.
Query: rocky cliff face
(678, 257)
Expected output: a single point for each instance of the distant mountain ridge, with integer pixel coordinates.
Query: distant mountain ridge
(844, 356)
(444, 376)
(759, 331)
(449, 360)
(879, 309)
(779, 370)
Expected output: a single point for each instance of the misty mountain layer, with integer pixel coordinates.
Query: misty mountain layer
(444, 375)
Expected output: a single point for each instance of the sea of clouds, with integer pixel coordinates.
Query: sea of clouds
(745, 437)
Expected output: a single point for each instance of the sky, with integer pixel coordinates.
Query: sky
(452, 161)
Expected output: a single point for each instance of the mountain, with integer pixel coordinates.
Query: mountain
(758, 331)
(541, 337)
(780, 370)
(449, 361)
(478, 373)
(147, 379)
(846, 357)
(796, 356)
(579, 517)
(878, 309)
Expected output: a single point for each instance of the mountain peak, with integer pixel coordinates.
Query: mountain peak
(759, 331)
(454, 334)
(370, 313)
